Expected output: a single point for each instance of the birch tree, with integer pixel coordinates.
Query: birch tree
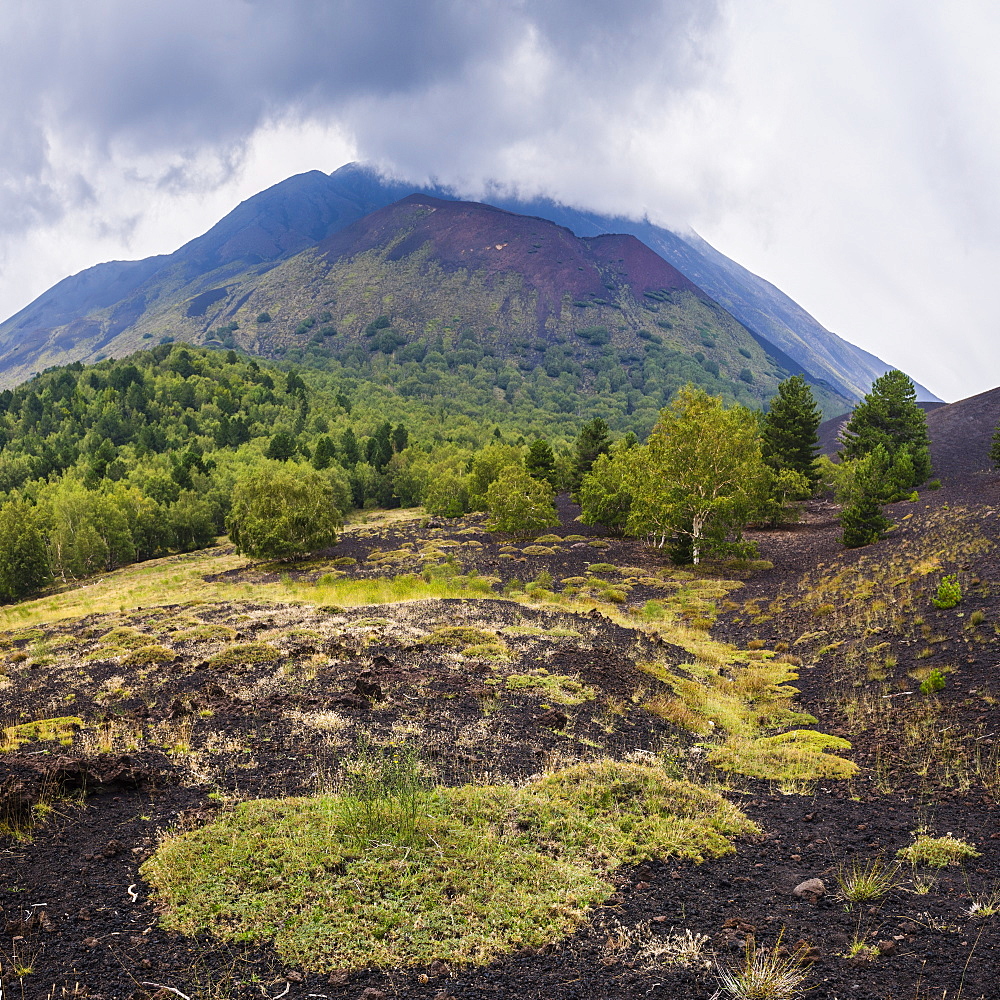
(700, 475)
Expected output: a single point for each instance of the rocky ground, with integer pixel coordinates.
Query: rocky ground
(172, 713)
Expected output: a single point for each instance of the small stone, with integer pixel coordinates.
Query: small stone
(886, 947)
(294, 977)
(370, 993)
(91, 942)
(811, 889)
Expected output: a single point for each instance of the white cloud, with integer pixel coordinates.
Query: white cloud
(845, 151)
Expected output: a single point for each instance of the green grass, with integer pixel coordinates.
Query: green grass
(490, 869)
(61, 729)
(937, 852)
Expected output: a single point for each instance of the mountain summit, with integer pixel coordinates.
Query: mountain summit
(112, 308)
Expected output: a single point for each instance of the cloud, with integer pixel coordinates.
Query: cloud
(847, 151)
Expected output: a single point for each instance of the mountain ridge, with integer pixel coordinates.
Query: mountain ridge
(85, 313)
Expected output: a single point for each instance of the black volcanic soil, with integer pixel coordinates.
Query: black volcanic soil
(76, 909)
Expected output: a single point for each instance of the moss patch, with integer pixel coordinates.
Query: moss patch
(61, 729)
(490, 870)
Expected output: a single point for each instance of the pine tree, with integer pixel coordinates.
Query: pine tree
(995, 448)
(324, 454)
(864, 493)
(594, 439)
(889, 416)
(789, 430)
(540, 462)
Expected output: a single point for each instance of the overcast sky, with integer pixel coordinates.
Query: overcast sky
(846, 150)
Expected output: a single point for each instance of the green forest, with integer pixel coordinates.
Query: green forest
(163, 451)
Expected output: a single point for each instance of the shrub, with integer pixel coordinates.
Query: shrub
(933, 682)
(937, 852)
(949, 593)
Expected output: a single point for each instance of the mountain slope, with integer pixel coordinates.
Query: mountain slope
(426, 279)
(86, 315)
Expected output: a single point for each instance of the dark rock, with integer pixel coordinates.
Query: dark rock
(366, 686)
(553, 719)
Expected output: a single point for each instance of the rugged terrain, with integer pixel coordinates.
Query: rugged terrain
(233, 682)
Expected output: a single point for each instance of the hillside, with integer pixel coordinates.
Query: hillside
(624, 774)
(96, 312)
(424, 282)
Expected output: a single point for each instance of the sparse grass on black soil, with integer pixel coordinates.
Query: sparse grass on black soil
(437, 763)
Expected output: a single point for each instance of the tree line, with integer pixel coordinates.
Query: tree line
(105, 465)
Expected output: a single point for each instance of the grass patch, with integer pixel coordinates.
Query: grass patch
(535, 631)
(204, 633)
(245, 655)
(867, 880)
(487, 651)
(61, 729)
(461, 636)
(560, 688)
(490, 869)
(937, 852)
(148, 656)
(125, 638)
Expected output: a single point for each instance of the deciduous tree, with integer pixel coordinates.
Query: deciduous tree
(700, 476)
(282, 511)
(24, 565)
(519, 504)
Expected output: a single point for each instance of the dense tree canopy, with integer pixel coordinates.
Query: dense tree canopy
(889, 416)
(789, 438)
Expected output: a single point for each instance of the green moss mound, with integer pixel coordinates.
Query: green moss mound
(484, 871)
(245, 655)
(798, 755)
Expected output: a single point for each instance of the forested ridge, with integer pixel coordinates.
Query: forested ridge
(125, 460)
(164, 451)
